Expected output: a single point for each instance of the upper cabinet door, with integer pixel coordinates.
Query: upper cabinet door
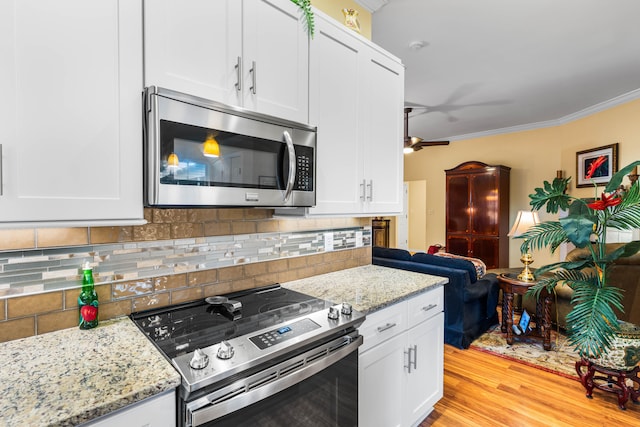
(336, 86)
(250, 53)
(195, 47)
(356, 100)
(70, 110)
(275, 59)
(383, 134)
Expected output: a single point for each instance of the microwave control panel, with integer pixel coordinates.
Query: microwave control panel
(304, 169)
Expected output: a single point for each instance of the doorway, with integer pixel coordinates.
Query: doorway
(412, 224)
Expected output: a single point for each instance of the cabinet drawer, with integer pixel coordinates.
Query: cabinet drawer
(425, 306)
(383, 324)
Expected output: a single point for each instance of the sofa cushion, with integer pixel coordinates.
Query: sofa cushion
(392, 253)
(459, 264)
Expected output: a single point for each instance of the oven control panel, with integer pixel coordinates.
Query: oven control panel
(283, 333)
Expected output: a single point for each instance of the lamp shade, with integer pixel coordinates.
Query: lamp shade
(211, 148)
(173, 161)
(524, 221)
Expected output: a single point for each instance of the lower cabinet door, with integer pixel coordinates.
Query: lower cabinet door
(381, 383)
(425, 381)
(157, 411)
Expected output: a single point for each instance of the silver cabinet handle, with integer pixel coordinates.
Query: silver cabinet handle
(362, 190)
(370, 185)
(429, 307)
(415, 357)
(408, 352)
(253, 77)
(1, 182)
(385, 327)
(238, 68)
(292, 165)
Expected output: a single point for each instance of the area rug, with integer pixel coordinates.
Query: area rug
(559, 360)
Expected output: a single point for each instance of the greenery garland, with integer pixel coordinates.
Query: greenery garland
(305, 8)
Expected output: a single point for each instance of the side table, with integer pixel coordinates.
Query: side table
(510, 285)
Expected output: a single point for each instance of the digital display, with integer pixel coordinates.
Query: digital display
(283, 333)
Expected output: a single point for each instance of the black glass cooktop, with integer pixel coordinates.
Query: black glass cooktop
(182, 328)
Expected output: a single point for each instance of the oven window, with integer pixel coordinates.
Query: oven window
(327, 399)
(192, 155)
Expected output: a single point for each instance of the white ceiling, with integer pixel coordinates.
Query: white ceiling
(492, 66)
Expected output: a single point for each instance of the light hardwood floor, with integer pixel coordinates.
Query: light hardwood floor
(481, 389)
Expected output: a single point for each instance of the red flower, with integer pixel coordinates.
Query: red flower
(605, 202)
(593, 167)
(89, 313)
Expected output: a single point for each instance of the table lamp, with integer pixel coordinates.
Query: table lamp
(524, 221)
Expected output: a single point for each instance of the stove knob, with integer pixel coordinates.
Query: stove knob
(225, 351)
(333, 313)
(199, 360)
(346, 309)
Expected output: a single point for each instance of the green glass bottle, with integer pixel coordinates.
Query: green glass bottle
(87, 300)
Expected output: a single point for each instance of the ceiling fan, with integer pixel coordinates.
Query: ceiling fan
(413, 143)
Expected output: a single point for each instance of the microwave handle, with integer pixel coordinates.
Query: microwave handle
(292, 165)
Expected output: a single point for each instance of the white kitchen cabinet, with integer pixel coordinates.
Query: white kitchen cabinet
(70, 112)
(356, 100)
(401, 367)
(250, 53)
(156, 411)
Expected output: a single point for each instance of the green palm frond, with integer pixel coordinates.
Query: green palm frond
(305, 8)
(548, 233)
(624, 218)
(617, 178)
(548, 284)
(627, 250)
(592, 321)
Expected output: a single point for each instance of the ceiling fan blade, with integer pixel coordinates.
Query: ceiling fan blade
(432, 143)
(415, 142)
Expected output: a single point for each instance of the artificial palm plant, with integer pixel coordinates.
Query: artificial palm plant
(592, 322)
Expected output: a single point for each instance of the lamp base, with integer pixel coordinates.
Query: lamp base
(526, 275)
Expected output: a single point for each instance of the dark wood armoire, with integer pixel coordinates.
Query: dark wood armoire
(478, 212)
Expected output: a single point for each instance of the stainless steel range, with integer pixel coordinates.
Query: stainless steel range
(267, 357)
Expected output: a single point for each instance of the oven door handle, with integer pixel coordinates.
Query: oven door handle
(259, 386)
(292, 165)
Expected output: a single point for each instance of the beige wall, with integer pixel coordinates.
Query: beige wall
(417, 238)
(534, 156)
(334, 8)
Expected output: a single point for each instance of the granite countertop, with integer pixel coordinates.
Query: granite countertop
(368, 288)
(71, 376)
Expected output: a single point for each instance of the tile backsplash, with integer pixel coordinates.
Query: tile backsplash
(180, 255)
(34, 271)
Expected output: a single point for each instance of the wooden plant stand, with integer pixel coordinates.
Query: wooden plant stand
(611, 381)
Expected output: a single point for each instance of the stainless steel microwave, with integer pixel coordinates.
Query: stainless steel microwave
(202, 153)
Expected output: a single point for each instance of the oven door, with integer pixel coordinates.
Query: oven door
(316, 388)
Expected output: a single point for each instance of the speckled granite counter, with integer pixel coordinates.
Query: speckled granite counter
(68, 377)
(368, 288)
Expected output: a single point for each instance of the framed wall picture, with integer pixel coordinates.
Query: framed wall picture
(605, 171)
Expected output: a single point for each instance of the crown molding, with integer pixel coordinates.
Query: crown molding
(602, 106)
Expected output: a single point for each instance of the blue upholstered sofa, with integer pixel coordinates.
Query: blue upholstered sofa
(469, 303)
